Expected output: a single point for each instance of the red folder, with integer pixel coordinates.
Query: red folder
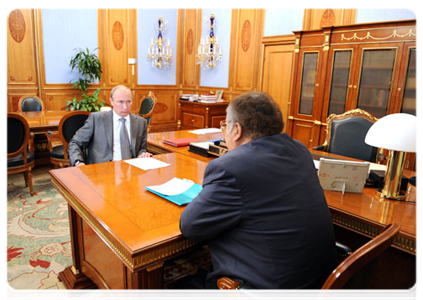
(181, 142)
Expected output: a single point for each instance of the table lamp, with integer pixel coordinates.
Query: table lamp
(396, 133)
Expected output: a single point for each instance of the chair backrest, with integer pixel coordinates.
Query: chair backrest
(147, 107)
(346, 134)
(30, 103)
(347, 274)
(69, 125)
(17, 135)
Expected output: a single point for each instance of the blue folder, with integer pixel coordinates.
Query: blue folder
(183, 198)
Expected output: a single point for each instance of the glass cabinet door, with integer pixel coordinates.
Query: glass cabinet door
(409, 96)
(339, 82)
(308, 82)
(375, 80)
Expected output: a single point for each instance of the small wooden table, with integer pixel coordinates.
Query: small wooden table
(39, 123)
(43, 121)
(201, 115)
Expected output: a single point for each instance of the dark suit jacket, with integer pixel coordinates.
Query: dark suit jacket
(264, 216)
(97, 137)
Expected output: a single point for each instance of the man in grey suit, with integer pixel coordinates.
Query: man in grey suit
(262, 210)
(111, 135)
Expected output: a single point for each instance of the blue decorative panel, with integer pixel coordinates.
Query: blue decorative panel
(218, 77)
(283, 21)
(65, 30)
(380, 15)
(146, 30)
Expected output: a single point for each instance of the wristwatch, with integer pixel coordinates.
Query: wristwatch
(77, 162)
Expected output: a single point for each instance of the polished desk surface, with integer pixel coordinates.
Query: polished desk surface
(372, 210)
(112, 198)
(42, 121)
(155, 142)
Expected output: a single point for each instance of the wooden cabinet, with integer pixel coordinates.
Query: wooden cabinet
(201, 115)
(336, 69)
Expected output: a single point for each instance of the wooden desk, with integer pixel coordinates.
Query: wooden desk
(121, 234)
(155, 143)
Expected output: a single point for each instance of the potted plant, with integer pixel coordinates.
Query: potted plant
(89, 67)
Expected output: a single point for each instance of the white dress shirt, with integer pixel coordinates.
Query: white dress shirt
(116, 134)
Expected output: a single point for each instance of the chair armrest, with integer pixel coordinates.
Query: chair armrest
(320, 147)
(50, 135)
(237, 291)
(229, 287)
(342, 250)
(31, 142)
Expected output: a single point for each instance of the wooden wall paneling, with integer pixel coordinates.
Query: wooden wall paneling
(247, 25)
(55, 99)
(191, 35)
(117, 47)
(277, 71)
(166, 109)
(304, 132)
(21, 55)
(13, 96)
(319, 18)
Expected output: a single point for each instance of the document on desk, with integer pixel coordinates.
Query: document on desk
(176, 190)
(147, 163)
(206, 130)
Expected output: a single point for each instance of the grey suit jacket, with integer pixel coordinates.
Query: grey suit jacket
(96, 136)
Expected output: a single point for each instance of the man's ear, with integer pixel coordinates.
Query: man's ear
(237, 131)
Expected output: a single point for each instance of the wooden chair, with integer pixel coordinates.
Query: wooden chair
(346, 273)
(19, 139)
(69, 124)
(345, 135)
(147, 107)
(30, 103)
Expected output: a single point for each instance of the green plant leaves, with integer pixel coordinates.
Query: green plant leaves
(89, 68)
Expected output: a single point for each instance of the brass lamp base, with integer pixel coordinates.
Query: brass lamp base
(400, 197)
(392, 181)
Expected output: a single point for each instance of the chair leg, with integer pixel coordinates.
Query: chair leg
(31, 188)
(25, 175)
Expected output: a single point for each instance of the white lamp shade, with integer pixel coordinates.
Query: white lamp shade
(394, 132)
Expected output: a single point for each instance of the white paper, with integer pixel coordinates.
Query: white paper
(147, 163)
(316, 164)
(377, 167)
(206, 130)
(173, 187)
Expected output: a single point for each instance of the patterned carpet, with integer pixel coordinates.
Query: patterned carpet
(38, 239)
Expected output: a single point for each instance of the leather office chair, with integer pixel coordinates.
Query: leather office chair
(19, 139)
(345, 135)
(30, 103)
(147, 107)
(351, 271)
(69, 124)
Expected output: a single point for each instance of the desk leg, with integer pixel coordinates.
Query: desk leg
(72, 276)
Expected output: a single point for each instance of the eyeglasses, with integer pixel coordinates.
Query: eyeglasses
(223, 125)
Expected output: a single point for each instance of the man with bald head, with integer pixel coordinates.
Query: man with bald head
(110, 135)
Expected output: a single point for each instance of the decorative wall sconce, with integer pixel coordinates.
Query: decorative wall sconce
(160, 52)
(209, 51)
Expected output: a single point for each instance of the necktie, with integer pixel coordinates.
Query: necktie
(124, 141)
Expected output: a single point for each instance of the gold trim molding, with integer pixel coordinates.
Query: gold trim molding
(410, 33)
(402, 242)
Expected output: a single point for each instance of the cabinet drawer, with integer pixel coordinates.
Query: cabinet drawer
(193, 120)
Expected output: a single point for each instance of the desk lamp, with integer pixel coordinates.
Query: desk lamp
(396, 133)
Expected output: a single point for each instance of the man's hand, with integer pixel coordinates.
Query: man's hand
(80, 163)
(145, 154)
